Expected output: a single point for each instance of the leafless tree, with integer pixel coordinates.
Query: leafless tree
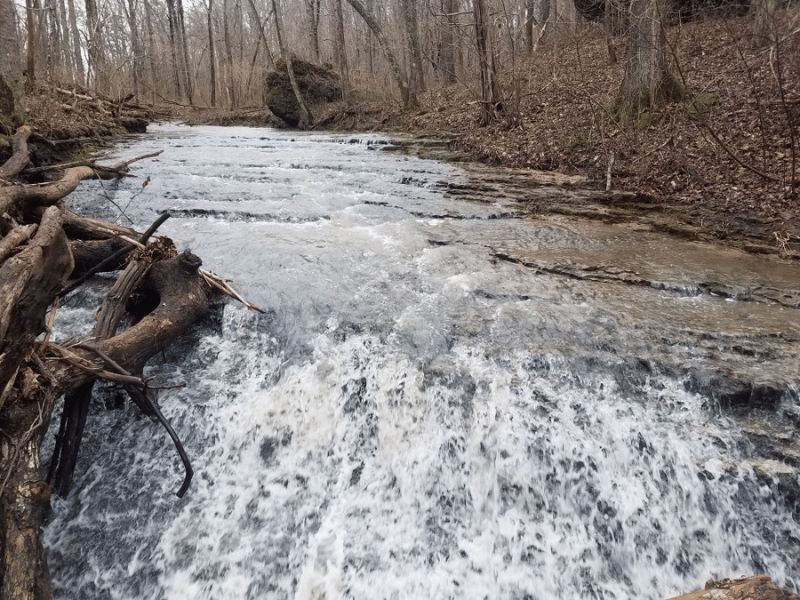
(490, 94)
(648, 80)
(340, 49)
(12, 93)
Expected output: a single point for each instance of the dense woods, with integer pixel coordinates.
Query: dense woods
(218, 53)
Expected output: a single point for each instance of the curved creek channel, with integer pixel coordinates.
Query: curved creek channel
(446, 397)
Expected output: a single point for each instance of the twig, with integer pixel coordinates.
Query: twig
(646, 154)
(733, 155)
(152, 229)
(608, 172)
(105, 357)
(142, 389)
(218, 282)
(127, 163)
(122, 212)
(81, 363)
(118, 169)
(167, 387)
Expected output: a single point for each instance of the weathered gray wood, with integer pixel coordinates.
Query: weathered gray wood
(20, 157)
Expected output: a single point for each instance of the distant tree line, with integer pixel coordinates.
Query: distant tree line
(217, 52)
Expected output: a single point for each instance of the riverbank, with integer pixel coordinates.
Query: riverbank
(69, 125)
(716, 167)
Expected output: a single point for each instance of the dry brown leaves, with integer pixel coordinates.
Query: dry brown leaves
(560, 120)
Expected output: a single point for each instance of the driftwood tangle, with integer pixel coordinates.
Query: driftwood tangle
(44, 245)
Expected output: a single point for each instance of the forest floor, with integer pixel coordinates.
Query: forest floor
(722, 165)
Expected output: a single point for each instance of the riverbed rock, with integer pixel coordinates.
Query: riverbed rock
(757, 587)
(319, 85)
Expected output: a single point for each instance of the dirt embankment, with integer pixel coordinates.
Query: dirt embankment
(67, 124)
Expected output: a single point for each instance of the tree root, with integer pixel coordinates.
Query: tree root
(42, 245)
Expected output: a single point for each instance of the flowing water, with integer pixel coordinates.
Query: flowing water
(445, 397)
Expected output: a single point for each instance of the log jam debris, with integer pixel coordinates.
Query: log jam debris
(48, 251)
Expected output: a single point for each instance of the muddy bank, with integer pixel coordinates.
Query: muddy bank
(70, 124)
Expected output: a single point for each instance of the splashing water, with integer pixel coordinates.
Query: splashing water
(414, 418)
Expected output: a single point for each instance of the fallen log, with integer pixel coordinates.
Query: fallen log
(46, 194)
(28, 283)
(94, 256)
(14, 238)
(20, 156)
(43, 244)
(76, 402)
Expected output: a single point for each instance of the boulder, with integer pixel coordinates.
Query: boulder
(318, 85)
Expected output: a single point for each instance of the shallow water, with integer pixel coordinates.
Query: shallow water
(416, 415)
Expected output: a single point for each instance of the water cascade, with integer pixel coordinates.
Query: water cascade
(446, 398)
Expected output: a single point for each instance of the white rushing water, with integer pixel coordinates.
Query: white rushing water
(413, 418)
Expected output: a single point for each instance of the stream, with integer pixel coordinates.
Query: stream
(446, 397)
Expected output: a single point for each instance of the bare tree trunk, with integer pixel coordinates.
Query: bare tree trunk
(95, 45)
(376, 29)
(43, 36)
(151, 48)
(615, 20)
(54, 58)
(184, 49)
(447, 59)
(212, 55)
(76, 44)
(231, 82)
(312, 10)
(647, 81)
(251, 71)
(763, 30)
(12, 90)
(529, 26)
(30, 25)
(262, 32)
(416, 82)
(340, 51)
(175, 48)
(68, 56)
(306, 119)
(547, 10)
(489, 92)
(41, 43)
(136, 46)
